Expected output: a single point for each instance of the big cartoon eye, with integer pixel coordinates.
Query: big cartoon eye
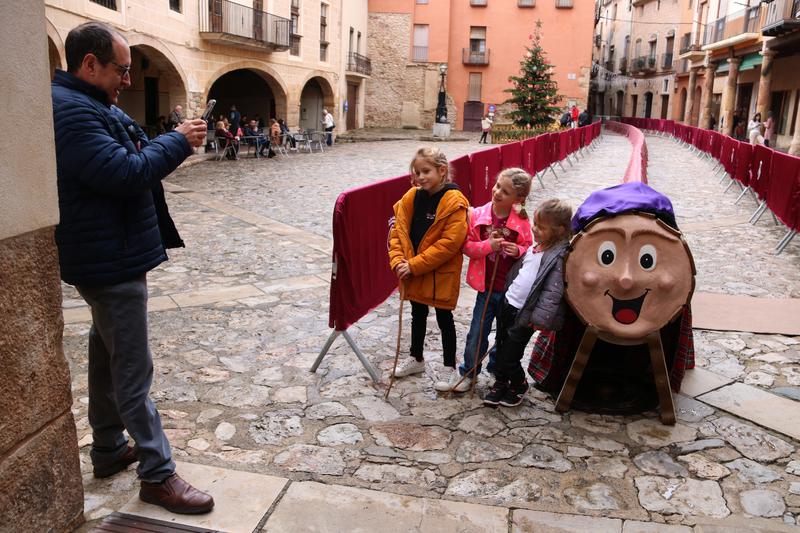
(607, 253)
(647, 257)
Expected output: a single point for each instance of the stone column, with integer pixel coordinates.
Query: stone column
(765, 83)
(687, 115)
(40, 471)
(729, 96)
(707, 98)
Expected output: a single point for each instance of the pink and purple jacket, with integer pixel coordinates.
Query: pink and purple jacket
(477, 249)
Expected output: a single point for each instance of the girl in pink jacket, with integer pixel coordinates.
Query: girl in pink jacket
(499, 233)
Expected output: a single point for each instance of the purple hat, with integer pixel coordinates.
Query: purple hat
(633, 196)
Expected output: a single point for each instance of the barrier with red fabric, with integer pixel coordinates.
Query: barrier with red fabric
(783, 194)
(484, 168)
(728, 156)
(361, 279)
(716, 145)
(511, 155)
(744, 156)
(563, 145)
(529, 155)
(760, 170)
(462, 175)
(637, 165)
(543, 151)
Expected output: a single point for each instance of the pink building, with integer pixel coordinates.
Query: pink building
(481, 42)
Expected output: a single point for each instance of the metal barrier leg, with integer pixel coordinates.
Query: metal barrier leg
(744, 191)
(785, 241)
(758, 212)
(553, 171)
(729, 186)
(335, 333)
(539, 177)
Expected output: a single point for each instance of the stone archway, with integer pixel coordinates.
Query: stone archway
(157, 86)
(682, 107)
(263, 93)
(317, 94)
(55, 49)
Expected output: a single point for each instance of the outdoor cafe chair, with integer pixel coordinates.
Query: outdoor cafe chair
(222, 148)
(301, 141)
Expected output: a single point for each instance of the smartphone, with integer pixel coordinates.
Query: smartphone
(209, 108)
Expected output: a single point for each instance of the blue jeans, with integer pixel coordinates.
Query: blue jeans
(495, 302)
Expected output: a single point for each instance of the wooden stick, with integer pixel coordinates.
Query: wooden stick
(474, 370)
(397, 350)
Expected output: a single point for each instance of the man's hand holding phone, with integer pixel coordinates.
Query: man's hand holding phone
(194, 130)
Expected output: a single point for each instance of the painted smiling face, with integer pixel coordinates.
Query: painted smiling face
(629, 275)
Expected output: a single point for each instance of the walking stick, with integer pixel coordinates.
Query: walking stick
(474, 370)
(397, 350)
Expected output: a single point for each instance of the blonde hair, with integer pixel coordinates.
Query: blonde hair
(435, 157)
(558, 214)
(521, 181)
(220, 125)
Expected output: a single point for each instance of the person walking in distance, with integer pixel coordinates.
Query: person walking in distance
(486, 128)
(114, 227)
(328, 124)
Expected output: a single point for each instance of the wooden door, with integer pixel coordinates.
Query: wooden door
(215, 14)
(473, 113)
(352, 105)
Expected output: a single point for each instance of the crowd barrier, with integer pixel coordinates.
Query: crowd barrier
(771, 177)
(637, 165)
(360, 275)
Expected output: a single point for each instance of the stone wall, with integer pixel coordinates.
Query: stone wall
(388, 48)
(400, 94)
(39, 466)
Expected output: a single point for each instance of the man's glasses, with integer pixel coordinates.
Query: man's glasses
(122, 70)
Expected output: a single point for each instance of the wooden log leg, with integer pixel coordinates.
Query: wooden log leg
(576, 370)
(661, 375)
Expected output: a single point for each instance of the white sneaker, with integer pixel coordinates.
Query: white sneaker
(450, 379)
(409, 366)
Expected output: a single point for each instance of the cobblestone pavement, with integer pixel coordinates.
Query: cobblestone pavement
(243, 314)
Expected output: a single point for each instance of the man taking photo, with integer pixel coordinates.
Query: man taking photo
(114, 227)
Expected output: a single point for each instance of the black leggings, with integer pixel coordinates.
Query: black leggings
(483, 137)
(510, 340)
(444, 317)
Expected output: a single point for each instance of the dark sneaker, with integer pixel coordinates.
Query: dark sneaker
(496, 393)
(514, 395)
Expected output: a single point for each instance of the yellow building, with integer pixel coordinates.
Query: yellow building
(272, 58)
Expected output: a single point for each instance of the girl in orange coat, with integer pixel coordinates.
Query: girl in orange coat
(425, 253)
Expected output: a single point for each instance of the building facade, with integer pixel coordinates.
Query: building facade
(272, 58)
(481, 43)
(731, 60)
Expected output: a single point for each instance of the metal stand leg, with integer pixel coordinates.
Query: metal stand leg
(539, 177)
(335, 333)
(554, 171)
(785, 241)
(758, 212)
(744, 191)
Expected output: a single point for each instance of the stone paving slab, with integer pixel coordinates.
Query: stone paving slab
(240, 499)
(699, 381)
(757, 315)
(751, 403)
(524, 521)
(309, 506)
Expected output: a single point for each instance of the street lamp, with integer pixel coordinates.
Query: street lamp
(441, 106)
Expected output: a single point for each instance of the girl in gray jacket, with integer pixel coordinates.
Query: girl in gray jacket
(534, 300)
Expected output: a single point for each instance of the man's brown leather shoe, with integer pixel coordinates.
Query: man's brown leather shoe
(177, 496)
(117, 465)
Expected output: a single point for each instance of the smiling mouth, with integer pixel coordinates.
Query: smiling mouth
(626, 311)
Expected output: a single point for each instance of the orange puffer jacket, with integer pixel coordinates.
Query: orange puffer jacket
(436, 268)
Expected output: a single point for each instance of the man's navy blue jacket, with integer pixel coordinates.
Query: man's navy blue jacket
(114, 224)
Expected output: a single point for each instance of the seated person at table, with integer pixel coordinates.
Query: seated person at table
(286, 133)
(256, 138)
(225, 138)
(274, 131)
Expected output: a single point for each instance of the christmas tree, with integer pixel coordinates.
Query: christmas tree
(535, 93)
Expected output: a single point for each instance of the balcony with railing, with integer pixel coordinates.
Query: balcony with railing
(419, 54)
(690, 47)
(667, 61)
(739, 27)
(474, 57)
(228, 23)
(359, 64)
(623, 65)
(644, 64)
(609, 65)
(782, 17)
